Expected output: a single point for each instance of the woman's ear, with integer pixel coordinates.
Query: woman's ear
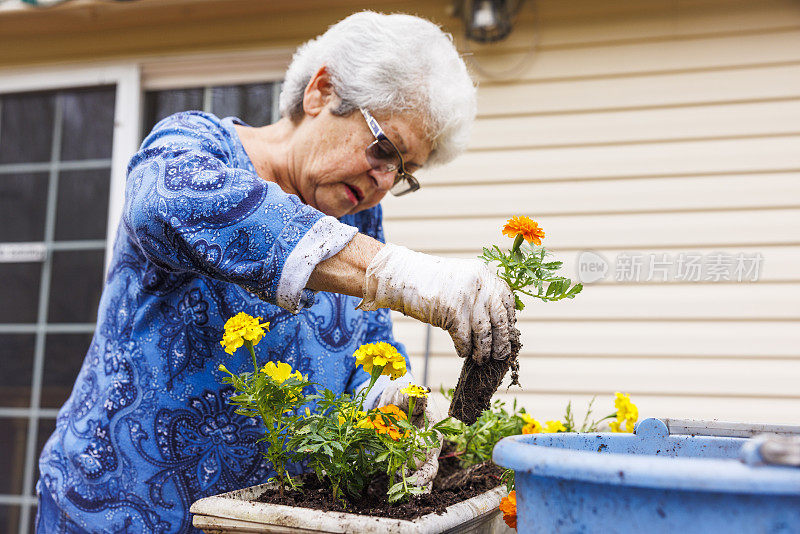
(318, 93)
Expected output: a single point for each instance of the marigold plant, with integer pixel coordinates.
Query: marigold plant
(552, 427)
(523, 228)
(532, 426)
(342, 443)
(243, 329)
(508, 505)
(524, 264)
(627, 413)
(280, 372)
(271, 394)
(474, 444)
(383, 356)
(415, 391)
(361, 444)
(382, 424)
(348, 414)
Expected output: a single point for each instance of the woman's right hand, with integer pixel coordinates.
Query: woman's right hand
(459, 295)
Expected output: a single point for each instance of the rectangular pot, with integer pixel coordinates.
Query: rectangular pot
(235, 511)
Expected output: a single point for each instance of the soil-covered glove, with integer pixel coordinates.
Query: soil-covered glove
(461, 296)
(423, 407)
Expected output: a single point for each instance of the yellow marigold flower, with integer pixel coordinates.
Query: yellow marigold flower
(528, 418)
(508, 505)
(625, 408)
(280, 372)
(630, 425)
(532, 426)
(627, 412)
(412, 390)
(554, 426)
(529, 229)
(240, 328)
(359, 416)
(381, 355)
(364, 422)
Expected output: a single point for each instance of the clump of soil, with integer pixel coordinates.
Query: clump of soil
(452, 485)
(478, 383)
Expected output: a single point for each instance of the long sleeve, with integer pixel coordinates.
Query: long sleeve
(192, 204)
(379, 322)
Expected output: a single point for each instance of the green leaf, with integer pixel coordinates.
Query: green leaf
(551, 289)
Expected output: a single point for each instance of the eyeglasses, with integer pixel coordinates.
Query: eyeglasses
(383, 156)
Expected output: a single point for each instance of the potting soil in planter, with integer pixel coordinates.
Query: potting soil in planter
(452, 485)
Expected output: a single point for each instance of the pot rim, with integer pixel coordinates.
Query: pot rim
(525, 456)
(238, 505)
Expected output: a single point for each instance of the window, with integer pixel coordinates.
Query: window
(256, 103)
(65, 138)
(55, 178)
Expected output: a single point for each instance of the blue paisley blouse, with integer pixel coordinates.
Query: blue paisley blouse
(147, 429)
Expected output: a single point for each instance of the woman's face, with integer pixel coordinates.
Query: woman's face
(332, 173)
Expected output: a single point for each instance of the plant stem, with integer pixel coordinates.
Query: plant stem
(249, 345)
(515, 247)
(452, 454)
(376, 373)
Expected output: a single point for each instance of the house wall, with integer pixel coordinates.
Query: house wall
(638, 128)
(633, 127)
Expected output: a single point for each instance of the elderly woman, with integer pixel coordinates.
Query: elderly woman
(282, 222)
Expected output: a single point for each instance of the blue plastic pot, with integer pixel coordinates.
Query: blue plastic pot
(646, 483)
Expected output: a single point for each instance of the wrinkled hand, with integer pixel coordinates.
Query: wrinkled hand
(461, 296)
(423, 407)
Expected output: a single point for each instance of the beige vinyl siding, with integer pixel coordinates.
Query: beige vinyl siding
(637, 128)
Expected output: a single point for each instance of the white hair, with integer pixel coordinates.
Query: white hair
(389, 64)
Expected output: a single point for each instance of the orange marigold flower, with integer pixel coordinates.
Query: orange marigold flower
(527, 227)
(382, 424)
(532, 426)
(508, 505)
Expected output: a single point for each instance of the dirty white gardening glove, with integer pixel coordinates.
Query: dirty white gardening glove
(461, 296)
(423, 407)
(392, 394)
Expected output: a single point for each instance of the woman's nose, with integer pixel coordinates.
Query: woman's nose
(384, 180)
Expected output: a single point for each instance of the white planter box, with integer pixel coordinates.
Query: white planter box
(235, 512)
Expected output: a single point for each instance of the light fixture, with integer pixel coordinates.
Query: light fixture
(486, 21)
(489, 21)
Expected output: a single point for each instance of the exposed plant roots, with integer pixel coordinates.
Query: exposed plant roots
(477, 383)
